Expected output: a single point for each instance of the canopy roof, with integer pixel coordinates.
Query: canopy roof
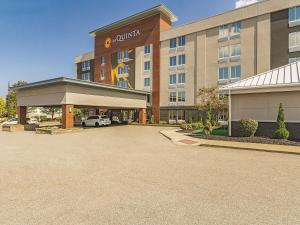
(285, 76)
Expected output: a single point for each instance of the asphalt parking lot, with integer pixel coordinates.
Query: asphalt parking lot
(133, 175)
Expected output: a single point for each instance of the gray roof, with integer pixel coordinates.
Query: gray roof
(65, 80)
(283, 76)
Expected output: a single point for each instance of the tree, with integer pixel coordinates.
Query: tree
(2, 108)
(281, 131)
(51, 110)
(11, 100)
(211, 100)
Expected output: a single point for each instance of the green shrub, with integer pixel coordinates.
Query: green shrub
(163, 122)
(152, 119)
(186, 126)
(281, 131)
(208, 128)
(190, 119)
(248, 127)
(197, 125)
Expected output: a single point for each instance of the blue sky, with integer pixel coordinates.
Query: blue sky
(39, 39)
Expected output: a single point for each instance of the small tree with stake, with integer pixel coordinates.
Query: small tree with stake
(281, 131)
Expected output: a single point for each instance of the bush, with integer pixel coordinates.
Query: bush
(208, 128)
(248, 127)
(163, 122)
(197, 125)
(186, 126)
(190, 119)
(281, 131)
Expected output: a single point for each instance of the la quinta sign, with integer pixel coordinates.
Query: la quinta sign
(122, 37)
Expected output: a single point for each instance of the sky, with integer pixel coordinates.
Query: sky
(39, 39)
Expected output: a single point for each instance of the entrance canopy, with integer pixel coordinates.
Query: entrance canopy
(66, 91)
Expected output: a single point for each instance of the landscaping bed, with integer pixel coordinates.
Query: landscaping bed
(259, 140)
(55, 130)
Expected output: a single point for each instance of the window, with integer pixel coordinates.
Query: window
(120, 56)
(173, 43)
(235, 50)
(122, 83)
(147, 49)
(236, 72)
(294, 14)
(102, 74)
(85, 65)
(181, 78)
(235, 28)
(126, 69)
(120, 70)
(126, 56)
(146, 82)
(147, 65)
(172, 79)
(173, 61)
(173, 115)
(86, 76)
(294, 40)
(181, 96)
(223, 31)
(223, 73)
(181, 60)
(181, 115)
(294, 59)
(172, 97)
(125, 83)
(181, 41)
(223, 52)
(102, 60)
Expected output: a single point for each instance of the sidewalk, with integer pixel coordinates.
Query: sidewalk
(182, 139)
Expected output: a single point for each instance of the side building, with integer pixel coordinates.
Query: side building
(145, 52)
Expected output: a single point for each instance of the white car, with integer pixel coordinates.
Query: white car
(96, 121)
(12, 121)
(33, 121)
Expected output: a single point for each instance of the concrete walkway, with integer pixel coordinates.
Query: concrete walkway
(183, 139)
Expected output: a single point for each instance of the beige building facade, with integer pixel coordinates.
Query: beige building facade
(217, 51)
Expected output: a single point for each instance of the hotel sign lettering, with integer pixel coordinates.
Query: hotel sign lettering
(122, 37)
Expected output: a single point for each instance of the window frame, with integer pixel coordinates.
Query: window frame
(233, 68)
(147, 65)
(232, 50)
(294, 39)
(147, 49)
(181, 41)
(224, 31)
(220, 51)
(172, 98)
(181, 98)
(233, 27)
(170, 79)
(173, 41)
(170, 63)
(83, 76)
(180, 75)
(147, 84)
(181, 60)
(223, 68)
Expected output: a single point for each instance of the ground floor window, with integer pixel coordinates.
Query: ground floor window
(173, 115)
(176, 115)
(180, 115)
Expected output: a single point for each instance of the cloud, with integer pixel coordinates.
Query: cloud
(241, 3)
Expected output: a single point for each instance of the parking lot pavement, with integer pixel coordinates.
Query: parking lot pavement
(133, 175)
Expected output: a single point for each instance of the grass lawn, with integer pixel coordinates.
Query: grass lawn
(219, 132)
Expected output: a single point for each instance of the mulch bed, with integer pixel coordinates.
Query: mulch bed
(260, 140)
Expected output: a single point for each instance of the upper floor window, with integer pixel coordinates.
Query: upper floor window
(235, 50)
(236, 71)
(181, 78)
(173, 43)
(172, 79)
(294, 14)
(147, 49)
(126, 54)
(86, 76)
(146, 82)
(294, 40)
(223, 73)
(235, 28)
(120, 70)
(147, 66)
(172, 97)
(294, 59)
(102, 74)
(223, 52)
(181, 41)
(102, 60)
(126, 69)
(173, 61)
(120, 56)
(181, 60)
(181, 96)
(85, 65)
(223, 31)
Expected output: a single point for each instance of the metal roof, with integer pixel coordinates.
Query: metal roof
(65, 80)
(288, 75)
(159, 9)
